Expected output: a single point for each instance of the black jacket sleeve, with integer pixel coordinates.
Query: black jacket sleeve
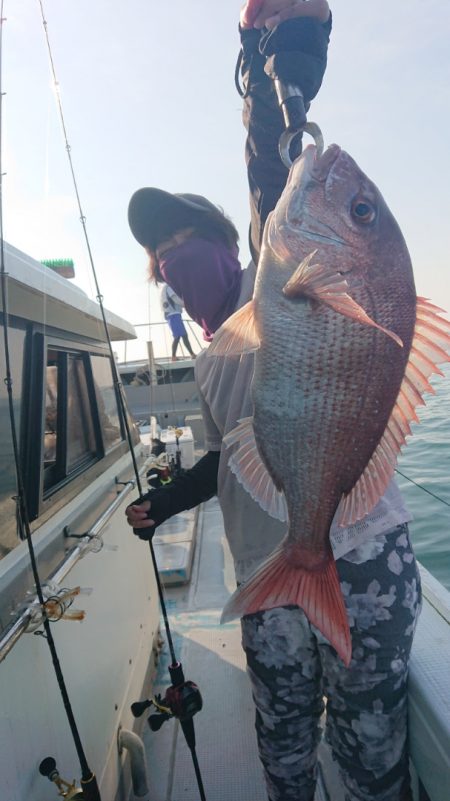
(188, 490)
(294, 52)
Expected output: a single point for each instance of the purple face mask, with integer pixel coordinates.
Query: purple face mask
(207, 276)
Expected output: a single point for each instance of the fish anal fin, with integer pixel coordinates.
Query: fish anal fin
(237, 334)
(317, 592)
(373, 482)
(331, 289)
(251, 472)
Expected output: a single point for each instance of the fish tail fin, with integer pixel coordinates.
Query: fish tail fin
(279, 583)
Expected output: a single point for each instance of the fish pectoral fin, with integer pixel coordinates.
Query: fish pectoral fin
(306, 277)
(430, 347)
(330, 288)
(251, 472)
(237, 334)
(279, 583)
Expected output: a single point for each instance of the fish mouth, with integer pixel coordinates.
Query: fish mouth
(292, 219)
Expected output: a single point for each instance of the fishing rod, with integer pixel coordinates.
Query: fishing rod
(424, 489)
(182, 699)
(88, 780)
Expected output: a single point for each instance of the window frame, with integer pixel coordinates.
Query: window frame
(60, 472)
(16, 323)
(40, 498)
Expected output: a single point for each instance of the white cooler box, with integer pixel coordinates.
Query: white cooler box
(185, 442)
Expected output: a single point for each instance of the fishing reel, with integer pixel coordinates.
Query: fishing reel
(175, 461)
(69, 791)
(182, 701)
(164, 467)
(159, 471)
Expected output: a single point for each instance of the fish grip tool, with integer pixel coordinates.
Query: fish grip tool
(182, 701)
(295, 60)
(294, 109)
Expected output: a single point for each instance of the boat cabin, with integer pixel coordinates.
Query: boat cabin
(78, 479)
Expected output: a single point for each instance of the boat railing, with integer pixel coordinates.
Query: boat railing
(159, 335)
(436, 594)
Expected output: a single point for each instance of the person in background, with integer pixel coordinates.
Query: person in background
(193, 246)
(172, 306)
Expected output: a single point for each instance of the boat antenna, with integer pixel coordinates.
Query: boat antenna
(178, 698)
(88, 780)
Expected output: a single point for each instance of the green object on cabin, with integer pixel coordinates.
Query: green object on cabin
(63, 267)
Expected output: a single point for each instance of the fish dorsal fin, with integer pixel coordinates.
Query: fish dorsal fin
(430, 346)
(237, 334)
(331, 288)
(249, 469)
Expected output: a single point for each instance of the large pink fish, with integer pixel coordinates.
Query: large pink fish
(343, 353)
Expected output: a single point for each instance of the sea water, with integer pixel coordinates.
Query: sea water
(426, 460)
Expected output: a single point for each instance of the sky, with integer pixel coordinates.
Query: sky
(148, 95)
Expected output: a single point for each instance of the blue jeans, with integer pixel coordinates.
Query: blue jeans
(292, 669)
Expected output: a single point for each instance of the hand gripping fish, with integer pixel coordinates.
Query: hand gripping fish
(343, 353)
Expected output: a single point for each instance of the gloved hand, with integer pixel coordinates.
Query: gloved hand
(139, 518)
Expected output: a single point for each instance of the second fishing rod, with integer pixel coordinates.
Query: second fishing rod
(182, 699)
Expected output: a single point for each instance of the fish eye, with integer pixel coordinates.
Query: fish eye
(363, 211)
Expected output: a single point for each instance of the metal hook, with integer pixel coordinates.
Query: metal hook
(287, 137)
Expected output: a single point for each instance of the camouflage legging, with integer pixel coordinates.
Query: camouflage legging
(291, 667)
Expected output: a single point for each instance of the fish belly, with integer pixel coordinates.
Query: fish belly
(322, 397)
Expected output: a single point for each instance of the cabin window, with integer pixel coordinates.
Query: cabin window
(8, 488)
(71, 420)
(136, 378)
(69, 438)
(106, 401)
(180, 375)
(81, 416)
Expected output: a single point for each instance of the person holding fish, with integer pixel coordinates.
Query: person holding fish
(302, 434)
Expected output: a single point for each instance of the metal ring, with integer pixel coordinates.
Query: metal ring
(287, 137)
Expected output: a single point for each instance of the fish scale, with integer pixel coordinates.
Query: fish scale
(340, 367)
(285, 438)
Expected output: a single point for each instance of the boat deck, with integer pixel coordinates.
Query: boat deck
(212, 657)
